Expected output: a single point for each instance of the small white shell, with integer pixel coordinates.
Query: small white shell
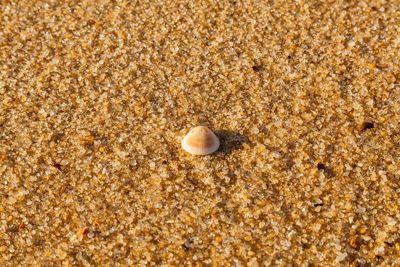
(200, 141)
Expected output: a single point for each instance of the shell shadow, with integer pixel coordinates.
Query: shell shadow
(230, 141)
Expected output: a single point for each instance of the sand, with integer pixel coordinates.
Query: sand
(95, 97)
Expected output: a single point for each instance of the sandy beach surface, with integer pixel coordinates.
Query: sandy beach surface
(96, 96)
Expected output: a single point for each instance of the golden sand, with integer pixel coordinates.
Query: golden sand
(95, 97)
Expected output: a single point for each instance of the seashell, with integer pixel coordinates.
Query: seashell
(200, 141)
